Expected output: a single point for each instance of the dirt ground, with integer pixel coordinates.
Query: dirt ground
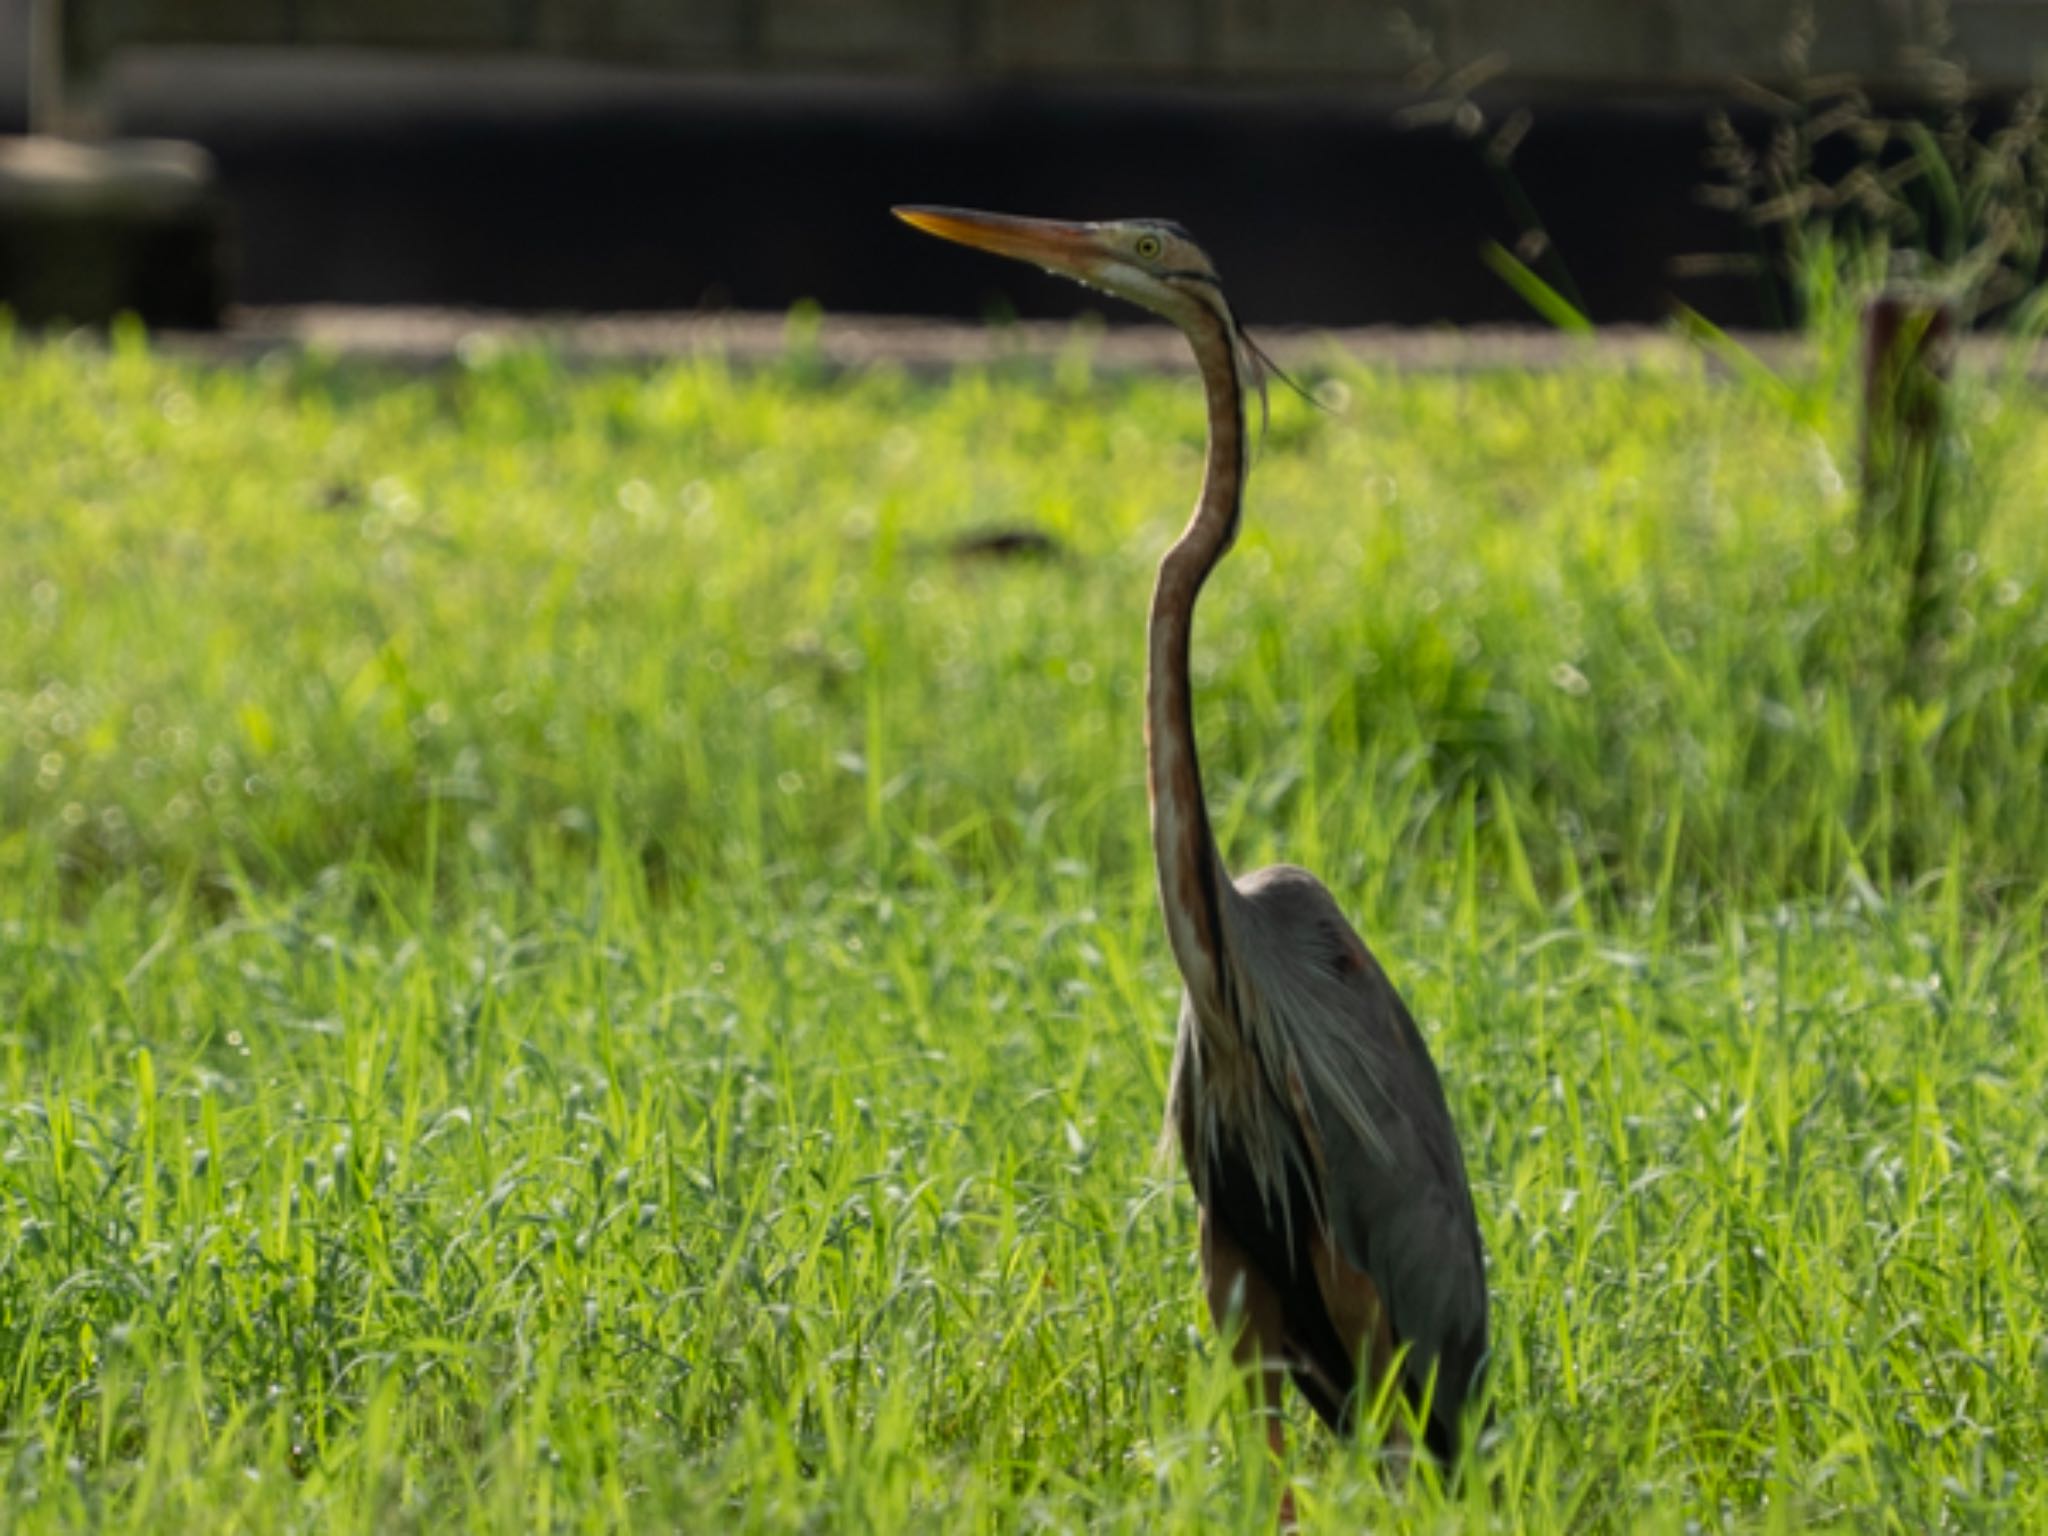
(412, 338)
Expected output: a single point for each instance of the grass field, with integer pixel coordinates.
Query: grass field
(563, 965)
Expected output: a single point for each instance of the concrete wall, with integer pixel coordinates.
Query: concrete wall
(1615, 43)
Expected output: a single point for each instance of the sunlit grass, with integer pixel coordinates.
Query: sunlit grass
(564, 965)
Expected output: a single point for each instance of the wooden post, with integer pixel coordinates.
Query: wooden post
(1909, 347)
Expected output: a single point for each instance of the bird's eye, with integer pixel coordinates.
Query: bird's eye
(1149, 247)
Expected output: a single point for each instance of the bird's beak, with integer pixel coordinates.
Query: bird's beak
(1058, 246)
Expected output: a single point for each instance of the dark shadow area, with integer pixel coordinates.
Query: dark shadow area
(526, 185)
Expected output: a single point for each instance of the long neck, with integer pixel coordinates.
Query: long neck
(1193, 885)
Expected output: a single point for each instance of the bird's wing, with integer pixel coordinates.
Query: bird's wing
(1276, 1239)
(1370, 1107)
(1401, 1213)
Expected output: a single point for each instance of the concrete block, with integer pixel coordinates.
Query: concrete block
(2006, 41)
(1096, 35)
(224, 22)
(1762, 40)
(90, 230)
(1594, 40)
(662, 32)
(1317, 37)
(903, 34)
(482, 25)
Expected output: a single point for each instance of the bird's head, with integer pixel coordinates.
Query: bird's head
(1151, 262)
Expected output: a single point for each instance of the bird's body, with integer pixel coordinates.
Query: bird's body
(1338, 1234)
(1316, 1136)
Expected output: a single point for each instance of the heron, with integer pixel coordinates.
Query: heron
(1338, 1244)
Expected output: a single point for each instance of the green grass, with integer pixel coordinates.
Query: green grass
(563, 966)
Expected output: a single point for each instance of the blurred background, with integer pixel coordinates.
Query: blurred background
(1347, 160)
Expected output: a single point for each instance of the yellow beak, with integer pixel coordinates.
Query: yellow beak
(1053, 243)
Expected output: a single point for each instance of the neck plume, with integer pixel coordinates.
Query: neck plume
(1193, 885)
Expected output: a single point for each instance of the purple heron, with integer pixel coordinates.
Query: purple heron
(1337, 1234)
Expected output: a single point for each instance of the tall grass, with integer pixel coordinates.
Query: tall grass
(271, 621)
(565, 965)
